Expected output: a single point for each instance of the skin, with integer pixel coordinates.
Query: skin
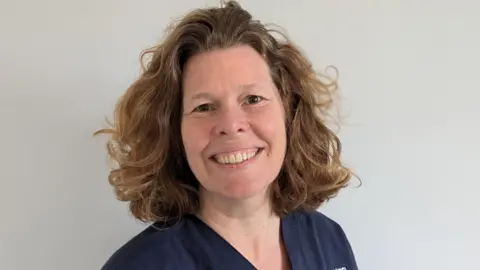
(231, 104)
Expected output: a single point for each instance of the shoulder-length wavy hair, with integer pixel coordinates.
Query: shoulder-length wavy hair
(151, 170)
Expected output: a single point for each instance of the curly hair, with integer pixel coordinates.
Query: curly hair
(151, 171)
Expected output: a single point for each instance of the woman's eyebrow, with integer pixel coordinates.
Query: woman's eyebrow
(248, 86)
(207, 95)
(201, 95)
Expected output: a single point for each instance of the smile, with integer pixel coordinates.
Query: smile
(236, 157)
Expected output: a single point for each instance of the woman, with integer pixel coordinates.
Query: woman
(221, 145)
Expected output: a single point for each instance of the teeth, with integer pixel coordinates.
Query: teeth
(234, 158)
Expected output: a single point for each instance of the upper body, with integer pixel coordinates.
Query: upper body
(224, 130)
(312, 242)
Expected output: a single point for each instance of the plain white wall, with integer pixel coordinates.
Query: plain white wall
(409, 78)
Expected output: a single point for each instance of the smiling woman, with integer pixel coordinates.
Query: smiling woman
(239, 122)
(221, 144)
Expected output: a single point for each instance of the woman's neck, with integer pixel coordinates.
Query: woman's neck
(250, 225)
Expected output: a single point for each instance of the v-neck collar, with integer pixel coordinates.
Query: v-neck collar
(227, 257)
(291, 242)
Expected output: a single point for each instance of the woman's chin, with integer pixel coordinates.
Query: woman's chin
(237, 190)
(245, 191)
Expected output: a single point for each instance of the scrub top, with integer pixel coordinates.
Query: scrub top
(311, 239)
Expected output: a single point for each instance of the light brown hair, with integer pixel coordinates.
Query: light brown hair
(151, 170)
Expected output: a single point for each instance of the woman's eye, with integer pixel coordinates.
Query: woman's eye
(203, 108)
(253, 99)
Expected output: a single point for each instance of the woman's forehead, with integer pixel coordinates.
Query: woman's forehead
(234, 67)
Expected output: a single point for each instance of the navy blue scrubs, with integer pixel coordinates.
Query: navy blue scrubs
(312, 240)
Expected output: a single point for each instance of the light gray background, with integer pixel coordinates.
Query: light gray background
(410, 82)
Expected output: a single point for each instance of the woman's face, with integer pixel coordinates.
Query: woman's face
(233, 126)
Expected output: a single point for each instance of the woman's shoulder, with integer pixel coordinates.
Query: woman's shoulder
(319, 224)
(155, 245)
(316, 220)
(318, 231)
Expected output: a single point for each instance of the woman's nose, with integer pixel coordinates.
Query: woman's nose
(230, 122)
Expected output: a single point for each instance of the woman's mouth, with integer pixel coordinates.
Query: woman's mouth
(235, 158)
